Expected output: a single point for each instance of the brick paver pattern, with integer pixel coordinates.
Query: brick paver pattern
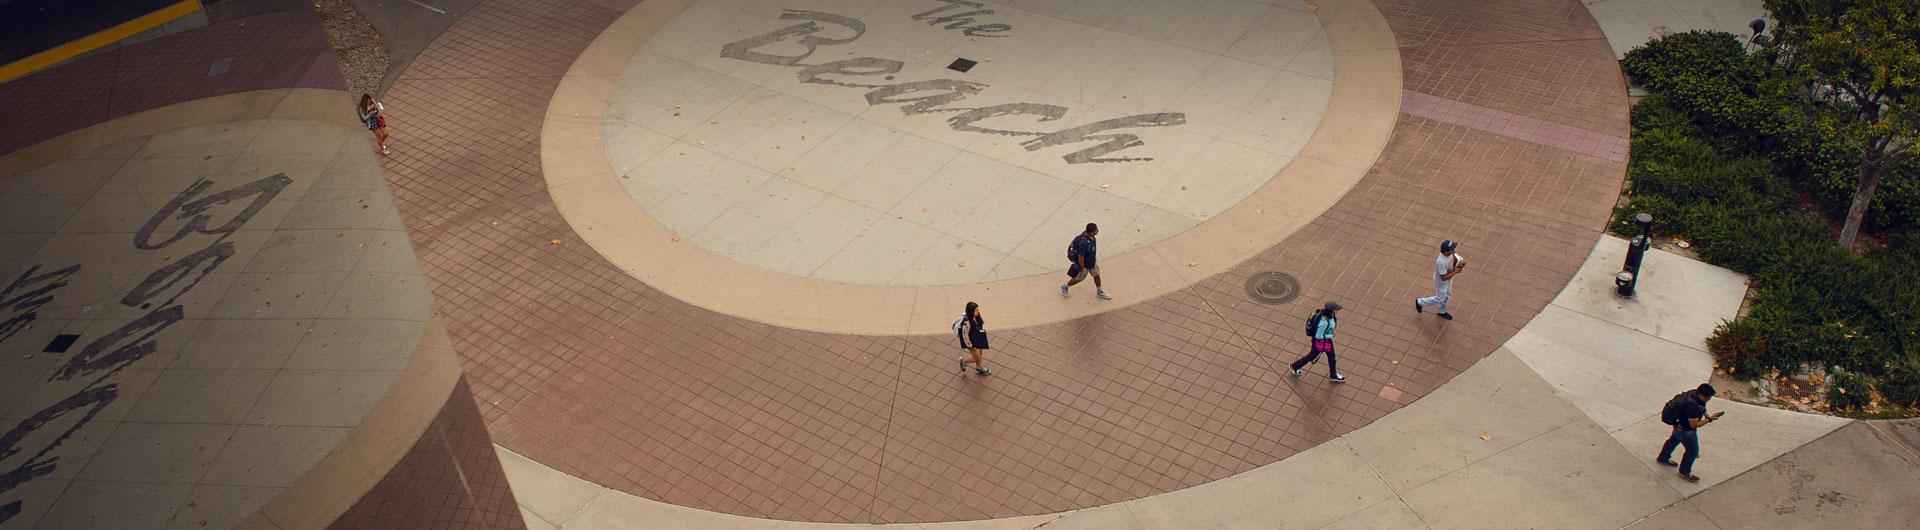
(275, 50)
(579, 366)
(450, 479)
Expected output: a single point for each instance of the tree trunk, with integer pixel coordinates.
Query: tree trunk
(1862, 197)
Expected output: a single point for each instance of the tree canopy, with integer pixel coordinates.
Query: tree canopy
(1862, 59)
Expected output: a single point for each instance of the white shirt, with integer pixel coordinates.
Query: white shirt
(1443, 265)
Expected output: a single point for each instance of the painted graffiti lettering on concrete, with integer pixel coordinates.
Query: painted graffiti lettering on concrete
(744, 49)
(1109, 142)
(194, 211)
(95, 358)
(955, 16)
(171, 275)
(94, 398)
(21, 301)
(933, 95)
(110, 353)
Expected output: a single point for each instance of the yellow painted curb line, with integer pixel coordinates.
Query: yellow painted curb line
(35, 62)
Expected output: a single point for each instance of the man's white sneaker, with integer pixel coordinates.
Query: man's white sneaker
(1063, 290)
(1103, 295)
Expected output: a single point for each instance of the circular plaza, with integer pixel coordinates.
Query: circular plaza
(697, 263)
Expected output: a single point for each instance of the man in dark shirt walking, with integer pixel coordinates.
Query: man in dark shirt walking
(1082, 254)
(1686, 412)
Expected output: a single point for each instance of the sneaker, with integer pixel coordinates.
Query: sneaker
(1690, 478)
(1296, 371)
(1063, 290)
(1668, 463)
(1417, 308)
(963, 364)
(982, 371)
(1103, 295)
(1337, 378)
(1448, 316)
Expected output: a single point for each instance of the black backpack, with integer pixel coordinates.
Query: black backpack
(1313, 323)
(1670, 413)
(1073, 249)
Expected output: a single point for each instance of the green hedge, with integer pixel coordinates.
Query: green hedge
(1744, 106)
(1719, 157)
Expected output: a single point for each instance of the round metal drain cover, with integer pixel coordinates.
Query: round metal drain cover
(1273, 287)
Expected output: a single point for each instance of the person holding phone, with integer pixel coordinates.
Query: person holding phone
(1687, 413)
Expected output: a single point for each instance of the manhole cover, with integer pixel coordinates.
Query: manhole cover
(1273, 287)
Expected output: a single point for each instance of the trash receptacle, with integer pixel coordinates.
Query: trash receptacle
(1629, 278)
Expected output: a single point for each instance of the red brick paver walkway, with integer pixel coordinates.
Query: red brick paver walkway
(277, 50)
(449, 480)
(586, 369)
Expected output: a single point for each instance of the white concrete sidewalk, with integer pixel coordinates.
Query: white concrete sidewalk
(1630, 23)
(1619, 360)
(1556, 430)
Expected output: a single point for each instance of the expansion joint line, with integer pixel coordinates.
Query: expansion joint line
(1247, 343)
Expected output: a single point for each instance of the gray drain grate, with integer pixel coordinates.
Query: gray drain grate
(1273, 288)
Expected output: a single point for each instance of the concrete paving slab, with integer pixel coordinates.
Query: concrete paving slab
(1390, 513)
(215, 506)
(1749, 435)
(1630, 23)
(903, 163)
(1901, 432)
(1616, 375)
(191, 437)
(1499, 396)
(1681, 515)
(544, 491)
(94, 504)
(1678, 299)
(1857, 477)
(1572, 477)
(1115, 516)
(1310, 489)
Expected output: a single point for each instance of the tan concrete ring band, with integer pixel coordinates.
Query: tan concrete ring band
(1359, 121)
(414, 398)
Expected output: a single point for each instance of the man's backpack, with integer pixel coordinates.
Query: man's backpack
(1313, 323)
(1073, 249)
(1670, 414)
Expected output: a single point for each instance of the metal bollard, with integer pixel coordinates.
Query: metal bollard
(1629, 276)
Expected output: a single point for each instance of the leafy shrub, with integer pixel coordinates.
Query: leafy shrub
(1738, 348)
(1902, 384)
(1709, 76)
(1725, 155)
(1848, 391)
(1896, 203)
(1747, 107)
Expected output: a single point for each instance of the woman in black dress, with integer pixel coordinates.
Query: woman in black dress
(972, 332)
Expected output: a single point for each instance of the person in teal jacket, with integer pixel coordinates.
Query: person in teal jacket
(1322, 323)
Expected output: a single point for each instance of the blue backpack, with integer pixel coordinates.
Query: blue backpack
(1313, 323)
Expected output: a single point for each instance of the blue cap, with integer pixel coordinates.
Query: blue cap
(1447, 245)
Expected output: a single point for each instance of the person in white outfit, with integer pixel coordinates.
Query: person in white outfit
(1445, 267)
